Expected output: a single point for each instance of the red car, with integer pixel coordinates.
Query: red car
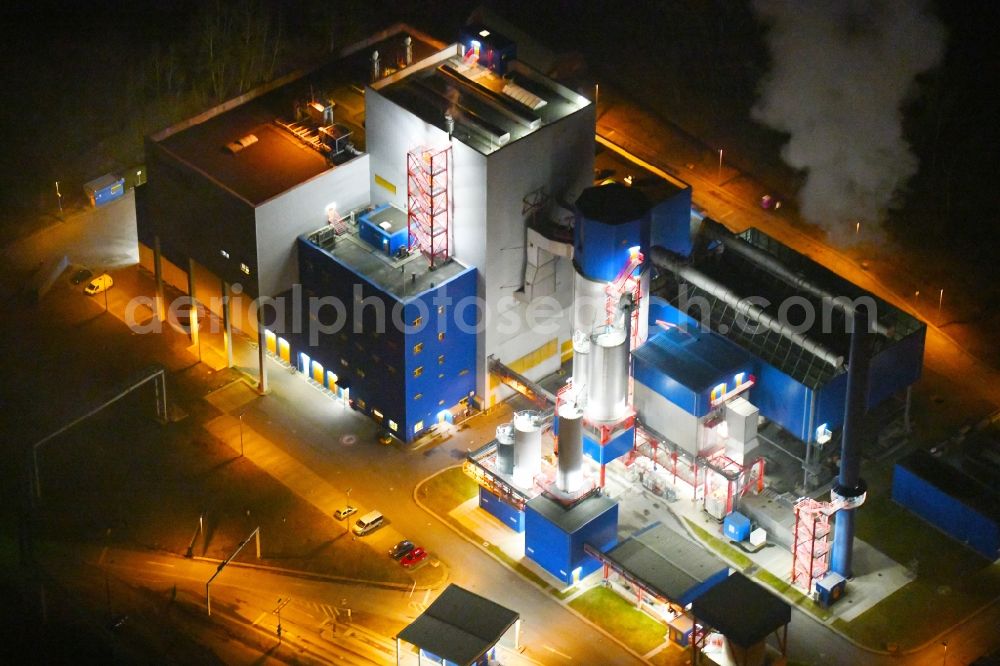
(415, 556)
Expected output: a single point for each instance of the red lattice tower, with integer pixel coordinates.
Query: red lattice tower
(626, 282)
(811, 547)
(428, 205)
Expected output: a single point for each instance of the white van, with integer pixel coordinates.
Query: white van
(100, 283)
(369, 522)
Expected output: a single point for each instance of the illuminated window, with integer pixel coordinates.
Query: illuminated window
(417, 427)
(718, 391)
(419, 370)
(463, 372)
(418, 321)
(441, 359)
(440, 309)
(359, 372)
(441, 376)
(377, 414)
(361, 403)
(418, 396)
(440, 402)
(245, 269)
(739, 379)
(344, 363)
(440, 336)
(393, 426)
(224, 254)
(417, 348)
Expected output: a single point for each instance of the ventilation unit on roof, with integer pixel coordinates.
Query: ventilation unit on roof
(241, 143)
(529, 99)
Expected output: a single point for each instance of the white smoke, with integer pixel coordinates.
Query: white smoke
(841, 69)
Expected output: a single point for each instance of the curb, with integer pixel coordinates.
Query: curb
(544, 591)
(312, 575)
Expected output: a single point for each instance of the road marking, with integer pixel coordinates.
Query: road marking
(259, 618)
(160, 564)
(561, 654)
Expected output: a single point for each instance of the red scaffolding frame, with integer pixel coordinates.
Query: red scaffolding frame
(811, 547)
(428, 201)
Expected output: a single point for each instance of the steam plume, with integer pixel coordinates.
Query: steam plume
(840, 71)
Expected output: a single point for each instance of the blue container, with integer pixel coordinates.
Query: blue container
(105, 189)
(384, 228)
(830, 588)
(611, 220)
(736, 526)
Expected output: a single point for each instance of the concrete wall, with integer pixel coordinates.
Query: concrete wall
(300, 210)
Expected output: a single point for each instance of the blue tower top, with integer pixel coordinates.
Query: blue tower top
(610, 220)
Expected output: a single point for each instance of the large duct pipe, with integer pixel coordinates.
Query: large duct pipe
(775, 267)
(662, 259)
(850, 487)
(569, 474)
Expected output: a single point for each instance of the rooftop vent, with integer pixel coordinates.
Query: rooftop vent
(529, 99)
(241, 143)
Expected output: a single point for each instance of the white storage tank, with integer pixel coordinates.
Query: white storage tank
(569, 474)
(527, 448)
(505, 448)
(607, 387)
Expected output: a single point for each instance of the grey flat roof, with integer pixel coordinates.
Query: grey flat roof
(695, 359)
(666, 561)
(459, 626)
(279, 161)
(743, 611)
(403, 278)
(572, 519)
(485, 118)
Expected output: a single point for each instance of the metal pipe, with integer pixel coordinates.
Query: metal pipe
(778, 269)
(850, 487)
(662, 259)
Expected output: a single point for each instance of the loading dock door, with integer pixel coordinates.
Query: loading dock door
(284, 351)
(317, 372)
(271, 341)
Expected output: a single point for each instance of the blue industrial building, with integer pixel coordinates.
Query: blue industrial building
(555, 534)
(505, 512)
(397, 343)
(105, 189)
(950, 500)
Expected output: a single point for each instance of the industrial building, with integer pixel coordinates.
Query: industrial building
(427, 216)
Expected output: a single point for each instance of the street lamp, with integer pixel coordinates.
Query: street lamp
(241, 432)
(59, 197)
(944, 658)
(720, 166)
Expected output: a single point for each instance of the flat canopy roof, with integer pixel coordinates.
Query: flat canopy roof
(666, 562)
(954, 482)
(278, 160)
(743, 611)
(459, 626)
(696, 359)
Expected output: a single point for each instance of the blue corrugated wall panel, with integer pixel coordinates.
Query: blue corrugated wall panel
(505, 513)
(830, 399)
(949, 515)
(661, 310)
(671, 223)
(704, 586)
(547, 545)
(601, 250)
(897, 367)
(601, 533)
(615, 448)
(782, 399)
(665, 385)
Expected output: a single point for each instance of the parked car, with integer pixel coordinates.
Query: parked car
(401, 549)
(369, 522)
(415, 556)
(81, 276)
(345, 511)
(102, 282)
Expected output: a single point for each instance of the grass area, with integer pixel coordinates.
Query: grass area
(740, 560)
(446, 490)
(608, 610)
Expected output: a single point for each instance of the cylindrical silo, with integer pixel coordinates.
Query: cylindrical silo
(527, 448)
(569, 475)
(505, 448)
(607, 387)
